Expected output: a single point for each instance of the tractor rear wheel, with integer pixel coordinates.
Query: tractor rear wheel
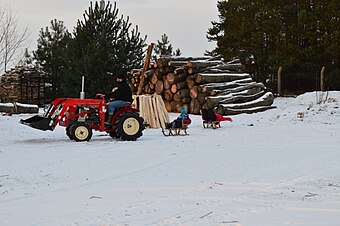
(130, 126)
(81, 132)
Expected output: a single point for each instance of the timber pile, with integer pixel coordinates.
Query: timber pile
(22, 84)
(202, 82)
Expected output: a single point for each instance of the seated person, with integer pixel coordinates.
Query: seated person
(119, 97)
(182, 119)
(210, 115)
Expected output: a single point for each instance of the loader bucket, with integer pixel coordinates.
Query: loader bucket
(38, 122)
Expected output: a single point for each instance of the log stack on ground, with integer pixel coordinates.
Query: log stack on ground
(203, 82)
(23, 84)
(18, 108)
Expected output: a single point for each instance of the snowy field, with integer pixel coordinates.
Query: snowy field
(279, 167)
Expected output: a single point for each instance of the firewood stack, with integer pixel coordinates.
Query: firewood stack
(22, 84)
(203, 82)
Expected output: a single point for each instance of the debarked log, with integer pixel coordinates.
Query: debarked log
(216, 78)
(241, 97)
(228, 66)
(232, 111)
(249, 86)
(266, 100)
(225, 85)
(18, 108)
(203, 63)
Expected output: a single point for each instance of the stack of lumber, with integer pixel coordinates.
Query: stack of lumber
(22, 84)
(152, 110)
(202, 82)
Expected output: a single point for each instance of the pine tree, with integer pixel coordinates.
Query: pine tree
(299, 35)
(52, 44)
(103, 46)
(164, 47)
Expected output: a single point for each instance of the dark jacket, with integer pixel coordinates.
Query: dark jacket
(123, 92)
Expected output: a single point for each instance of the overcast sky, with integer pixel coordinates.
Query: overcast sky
(184, 21)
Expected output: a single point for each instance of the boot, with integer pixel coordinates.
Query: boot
(109, 120)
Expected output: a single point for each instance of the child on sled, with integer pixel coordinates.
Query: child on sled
(212, 118)
(180, 121)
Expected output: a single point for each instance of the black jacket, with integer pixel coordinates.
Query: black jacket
(123, 92)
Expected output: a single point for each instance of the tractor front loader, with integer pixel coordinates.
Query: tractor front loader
(81, 116)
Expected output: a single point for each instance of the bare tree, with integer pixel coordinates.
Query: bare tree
(12, 39)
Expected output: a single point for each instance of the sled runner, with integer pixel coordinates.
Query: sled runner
(175, 131)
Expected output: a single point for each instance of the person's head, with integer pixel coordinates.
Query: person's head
(120, 78)
(184, 110)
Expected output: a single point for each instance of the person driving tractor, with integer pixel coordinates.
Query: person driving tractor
(119, 97)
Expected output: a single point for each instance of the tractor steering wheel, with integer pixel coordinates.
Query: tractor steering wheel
(100, 96)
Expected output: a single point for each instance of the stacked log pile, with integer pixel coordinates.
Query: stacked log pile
(203, 82)
(22, 84)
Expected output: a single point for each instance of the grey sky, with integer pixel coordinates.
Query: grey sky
(184, 21)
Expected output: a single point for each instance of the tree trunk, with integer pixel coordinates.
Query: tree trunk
(249, 86)
(201, 97)
(232, 67)
(195, 106)
(232, 98)
(159, 87)
(177, 97)
(173, 88)
(145, 67)
(266, 100)
(216, 78)
(18, 108)
(225, 85)
(179, 71)
(232, 111)
(185, 93)
(194, 92)
(183, 58)
(172, 78)
(167, 106)
(190, 81)
(176, 106)
(182, 85)
(168, 95)
(203, 64)
(166, 83)
(154, 78)
(186, 100)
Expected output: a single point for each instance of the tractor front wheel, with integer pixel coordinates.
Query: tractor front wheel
(69, 131)
(81, 132)
(130, 126)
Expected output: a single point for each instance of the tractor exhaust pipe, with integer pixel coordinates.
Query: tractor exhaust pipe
(82, 93)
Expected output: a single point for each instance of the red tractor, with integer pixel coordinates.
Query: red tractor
(81, 116)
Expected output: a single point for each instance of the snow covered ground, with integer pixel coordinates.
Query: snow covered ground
(279, 167)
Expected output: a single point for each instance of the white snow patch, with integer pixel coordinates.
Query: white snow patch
(279, 167)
